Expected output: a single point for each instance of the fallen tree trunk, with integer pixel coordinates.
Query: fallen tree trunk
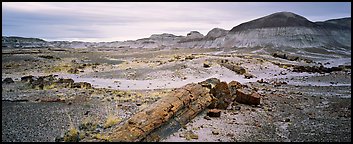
(164, 116)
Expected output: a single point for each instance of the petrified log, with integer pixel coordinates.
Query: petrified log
(222, 96)
(210, 83)
(84, 85)
(316, 69)
(164, 116)
(29, 78)
(237, 69)
(214, 113)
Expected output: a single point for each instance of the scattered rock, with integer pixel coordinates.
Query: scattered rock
(215, 132)
(236, 108)
(262, 81)
(86, 113)
(189, 57)
(288, 57)
(230, 134)
(269, 109)
(8, 81)
(29, 78)
(190, 135)
(51, 100)
(73, 71)
(283, 73)
(59, 139)
(248, 76)
(214, 113)
(278, 55)
(84, 85)
(46, 56)
(278, 83)
(315, 69)
(207, 117)
(17, 100)
(206, 64)
(138, 103)
(49, 82)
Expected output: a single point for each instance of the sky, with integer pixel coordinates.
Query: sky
(120, 21)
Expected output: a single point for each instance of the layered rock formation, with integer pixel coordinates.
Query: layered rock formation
(287, 29)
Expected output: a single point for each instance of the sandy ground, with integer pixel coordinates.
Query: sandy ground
(310, 107)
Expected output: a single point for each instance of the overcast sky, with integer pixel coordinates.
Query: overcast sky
(130, 21)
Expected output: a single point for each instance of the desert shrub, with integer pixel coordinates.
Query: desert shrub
(111, 121)
(72, 135)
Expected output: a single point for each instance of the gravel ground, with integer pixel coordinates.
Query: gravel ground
(310, 107)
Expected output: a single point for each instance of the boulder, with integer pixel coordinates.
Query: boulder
(246, 96)
(8, 81)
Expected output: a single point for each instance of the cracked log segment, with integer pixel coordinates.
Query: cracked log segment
(165, 116)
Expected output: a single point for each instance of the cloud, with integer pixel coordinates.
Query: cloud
(123, 20)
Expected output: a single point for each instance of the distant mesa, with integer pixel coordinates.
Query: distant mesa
(277, 30)
(20, 39)
(164, 35)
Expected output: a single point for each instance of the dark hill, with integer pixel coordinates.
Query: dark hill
(280, 19)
